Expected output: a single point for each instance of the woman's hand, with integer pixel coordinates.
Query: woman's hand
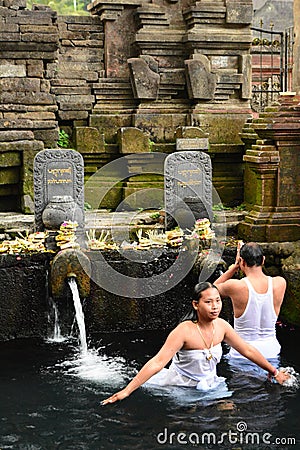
(116, 397)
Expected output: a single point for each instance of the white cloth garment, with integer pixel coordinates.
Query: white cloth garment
(191, 368)
(257, 324)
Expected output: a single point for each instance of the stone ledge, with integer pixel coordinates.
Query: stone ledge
(12, 223)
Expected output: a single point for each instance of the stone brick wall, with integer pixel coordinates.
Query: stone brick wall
(153, 67)
(29, 42)
(79, 64)
(47, 67)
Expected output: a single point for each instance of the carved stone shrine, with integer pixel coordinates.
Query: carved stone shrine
(58, 187)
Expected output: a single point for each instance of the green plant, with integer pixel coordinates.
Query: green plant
(155, 215)
(241, 207)
(151, 145)
(64, 139)
(219, 207)
(87, 206)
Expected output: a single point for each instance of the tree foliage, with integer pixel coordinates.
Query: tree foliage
(63, 7)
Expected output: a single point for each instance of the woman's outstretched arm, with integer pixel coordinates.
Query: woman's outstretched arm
(173, 343)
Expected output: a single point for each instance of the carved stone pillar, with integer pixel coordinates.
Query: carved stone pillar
(272, 175)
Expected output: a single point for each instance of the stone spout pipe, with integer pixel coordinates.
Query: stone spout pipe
(70, 263)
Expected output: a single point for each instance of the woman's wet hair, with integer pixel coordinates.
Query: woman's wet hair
(198, 289)
(252, 254)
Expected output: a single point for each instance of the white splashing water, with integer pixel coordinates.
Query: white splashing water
(57, 336)
(294, 380)
(98, 368)
(79, 315)
(87, 363)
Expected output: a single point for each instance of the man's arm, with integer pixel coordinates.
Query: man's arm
(226, 286)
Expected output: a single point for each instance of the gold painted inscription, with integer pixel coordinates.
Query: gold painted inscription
(57, 175)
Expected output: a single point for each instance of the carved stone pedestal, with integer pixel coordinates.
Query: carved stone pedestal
(272, 175)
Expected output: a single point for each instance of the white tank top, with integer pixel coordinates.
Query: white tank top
(257, 323)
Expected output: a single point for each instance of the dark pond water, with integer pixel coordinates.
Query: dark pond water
(50, 399)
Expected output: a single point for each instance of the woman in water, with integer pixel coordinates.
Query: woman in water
(195, 349)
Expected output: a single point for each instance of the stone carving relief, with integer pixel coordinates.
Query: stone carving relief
(201, 82)
(57, 173)
(188, 185)
(144, 77)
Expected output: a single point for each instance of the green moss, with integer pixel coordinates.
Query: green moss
(290, 310)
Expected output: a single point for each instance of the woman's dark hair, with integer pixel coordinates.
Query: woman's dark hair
(198, 289)
(252, 254)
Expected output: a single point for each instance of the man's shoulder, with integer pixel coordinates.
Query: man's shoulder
(279, 281)
(235, 282)
(231, 287)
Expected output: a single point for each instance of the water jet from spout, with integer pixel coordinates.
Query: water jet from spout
(79, 314)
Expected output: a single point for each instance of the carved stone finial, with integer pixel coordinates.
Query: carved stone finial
(144, 77)
(201, 82)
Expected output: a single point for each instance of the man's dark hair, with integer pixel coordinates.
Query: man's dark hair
(252, 254)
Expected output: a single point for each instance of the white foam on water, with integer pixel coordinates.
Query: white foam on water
(98, 368)
(293, 381)
(57, 339)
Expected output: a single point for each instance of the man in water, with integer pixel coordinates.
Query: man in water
(256, 300)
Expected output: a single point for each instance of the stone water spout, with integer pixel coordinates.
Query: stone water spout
(70, 263)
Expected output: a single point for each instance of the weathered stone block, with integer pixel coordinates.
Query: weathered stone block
(9, 38)
(10, 159)
(67, 82)
(99, 194)
(15, 135)
(133, 140)
(222, 127)
(27, 98)
(160, 126)
(73, 115)
(200, 81)
(21, 146)
(190, 133)
(19, 84)
(7, 12)
(15, 123)
(76, 107)
(75, 74)
(110, 124)
(38, 29)
(9, 27)
(144, 78)
(191, 144)
(35, 17)
(89, 140)
(15, 4)
(35, 68)
(48, 137)
(65, 90)
(41, 37)
(239, 12)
